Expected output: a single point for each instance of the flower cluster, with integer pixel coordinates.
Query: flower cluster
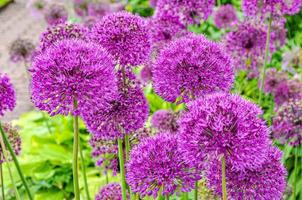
(273, 79)
(21, 50)
(191, 67)
(125, 36)
(265, 182)
(287, 124)
(111, 191)
(61, 32)
(105, 151)
(13, 138)
(246, 45)
(165, 121)
(156, 163)
(7, 95)
(225, 17)
(185, 12)
(55, 14)
(72, 75)
(227, 125)
(125, 113)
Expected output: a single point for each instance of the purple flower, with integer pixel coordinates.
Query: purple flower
(139, 135)
(125, 36)
(287, 124)
(157, 163)
(111, 191)
(69, 71)
(13, 138)
(55, 14)
(225, 17)
(153, 3)
(191, 67)
(246, 45)
(60, 32)
(21, 50)
(81, 7)
(224, 125)
(273, 79)
(106, 153)
(271, 7)
(126, 113)
(165, 121)
(286, 90)
(98, 9)
(146, 74)
(278, 33)
(263, 183)
(7, 95)
(185, 12)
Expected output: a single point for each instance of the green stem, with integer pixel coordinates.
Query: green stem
(224, 189)
(2, 181)
(46, 122)
(84, 172)
(167, 197)
(218, 2)
(196, 191)
(267, 50)
(127, 146)
(107, 178)
(295, 172)
(75, 164)
(185, 196)
(12, 153)
(122, 168)
(13, 182)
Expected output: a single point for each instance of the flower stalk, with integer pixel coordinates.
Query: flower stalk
(84, 173)
(267, 46)
(75, 164)
(2, 181)
(224, 189)
(14, 157)
(196, 191)
(122, 168)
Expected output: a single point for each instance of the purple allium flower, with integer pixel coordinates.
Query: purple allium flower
(111, 191)
(81, 7)
(37, 7)
(291, 59)
(191, 67)
(56, 14)
(286, 90)
(7, 95)
(146, 74)
(185, 12)
(13, 138)
(72, 70)
(21, 50)
(60, 32)
(106, 153)
(90, 21)
(224, 124)
(122, 115)
(153, 3)
(271, 7)
(125, 36)
(287, 124)
(278, 33)
(98, 9)
(157, 163)
(273, 79)
(139, 135)
(266, 182)
(165, 121)
(246, 45)
(225, 16)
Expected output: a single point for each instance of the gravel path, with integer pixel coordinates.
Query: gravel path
(16, 21)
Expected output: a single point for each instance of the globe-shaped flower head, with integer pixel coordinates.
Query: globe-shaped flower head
(287, 124)
(165, 121)
(225, 16)
(126, 113)
(21, 50)
(111, 191)
(185, 12)
(125, 36)
(246, 45)
(224, 125)
(266, 182)
(55, 14)
(13, 138)
(271, 7)
(7, 95)
(61, 32)
(157, 163)
(191, 67)
(72, 72)
(273, 79)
